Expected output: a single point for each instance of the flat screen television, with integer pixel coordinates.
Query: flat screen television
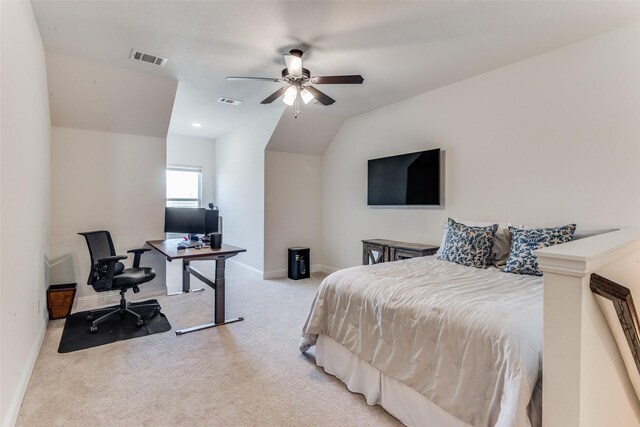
(405, 180)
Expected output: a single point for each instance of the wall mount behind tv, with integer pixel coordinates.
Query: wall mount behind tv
(407, 181)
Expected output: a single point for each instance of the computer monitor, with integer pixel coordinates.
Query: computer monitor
(211, 221)
(184, 220)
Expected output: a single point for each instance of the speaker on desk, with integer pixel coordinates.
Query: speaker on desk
(216, 240)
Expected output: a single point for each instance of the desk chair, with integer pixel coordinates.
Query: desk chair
(108, 273)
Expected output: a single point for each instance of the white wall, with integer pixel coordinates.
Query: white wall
(105, 181)
(549, 140)
(25, 182)
(239, 168)
(293, 207)
(310, 133)
(185, 150)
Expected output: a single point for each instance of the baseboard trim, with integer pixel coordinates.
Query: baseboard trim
(247, 267)
(16, 401)
(282, 273)
(275, 274)
(326, 269)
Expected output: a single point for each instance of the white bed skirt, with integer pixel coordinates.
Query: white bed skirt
(400, 400)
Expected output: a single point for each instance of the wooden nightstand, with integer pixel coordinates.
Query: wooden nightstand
(375, 251)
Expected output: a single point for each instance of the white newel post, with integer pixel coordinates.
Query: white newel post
(585, 382)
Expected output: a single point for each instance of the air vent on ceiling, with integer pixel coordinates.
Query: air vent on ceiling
(229, 101)
(152, 59)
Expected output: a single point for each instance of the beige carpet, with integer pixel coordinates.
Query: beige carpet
(245, 374)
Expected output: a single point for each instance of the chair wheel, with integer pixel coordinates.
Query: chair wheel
(93, 328)
(90, 317)
(140, 322)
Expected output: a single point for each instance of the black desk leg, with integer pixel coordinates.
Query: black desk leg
(186, 280)
(218, 302)
(186, 276)
(218, 309)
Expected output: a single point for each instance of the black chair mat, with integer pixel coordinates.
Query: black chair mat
(76, 335)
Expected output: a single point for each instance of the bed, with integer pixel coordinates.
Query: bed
(433, 342)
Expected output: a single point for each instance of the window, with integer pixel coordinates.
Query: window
(184, 187)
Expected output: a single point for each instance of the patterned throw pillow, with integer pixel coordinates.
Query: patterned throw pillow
(468, 245)
(524, 241)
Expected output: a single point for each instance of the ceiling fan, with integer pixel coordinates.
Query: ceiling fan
(299, 83)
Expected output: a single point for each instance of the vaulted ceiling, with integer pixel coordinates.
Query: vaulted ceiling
(401, 48)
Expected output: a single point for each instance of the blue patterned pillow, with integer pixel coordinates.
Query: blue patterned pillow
(468, 245)
(524, 241)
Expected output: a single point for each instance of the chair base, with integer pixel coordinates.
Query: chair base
(123, 310)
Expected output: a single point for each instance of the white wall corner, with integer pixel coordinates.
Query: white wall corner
(320, 268)
(246, 268)
(239, 186)
(275, 274)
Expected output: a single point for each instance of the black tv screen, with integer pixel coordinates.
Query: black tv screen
(407, 179)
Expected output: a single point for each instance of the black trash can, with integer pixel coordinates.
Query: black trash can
(299, 263)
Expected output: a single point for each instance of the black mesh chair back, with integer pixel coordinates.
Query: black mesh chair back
(100, 246)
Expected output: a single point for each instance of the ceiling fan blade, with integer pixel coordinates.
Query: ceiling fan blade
(321, 97)
(337, 80)
(294, 63)
(275, 95)
(267, 79)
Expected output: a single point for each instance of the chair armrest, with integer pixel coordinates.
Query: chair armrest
(140, 250)
(111, 259)
(110, 262)
(138, 254)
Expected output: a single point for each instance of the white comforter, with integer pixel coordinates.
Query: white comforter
(469, 340)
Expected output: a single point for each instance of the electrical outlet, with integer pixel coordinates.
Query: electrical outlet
(38, 306)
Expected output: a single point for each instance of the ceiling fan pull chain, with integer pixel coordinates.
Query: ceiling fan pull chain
(297, 105)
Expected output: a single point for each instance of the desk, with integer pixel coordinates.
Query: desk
(169, 248)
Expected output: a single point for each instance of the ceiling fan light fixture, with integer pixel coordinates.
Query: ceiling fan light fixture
(294, 64)
(306, 96)
(290, 95)
(299, 81)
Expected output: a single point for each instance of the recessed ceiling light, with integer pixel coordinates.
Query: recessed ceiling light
(196, 125)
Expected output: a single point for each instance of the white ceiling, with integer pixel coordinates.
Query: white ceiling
(401, 48)
(95, 96)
